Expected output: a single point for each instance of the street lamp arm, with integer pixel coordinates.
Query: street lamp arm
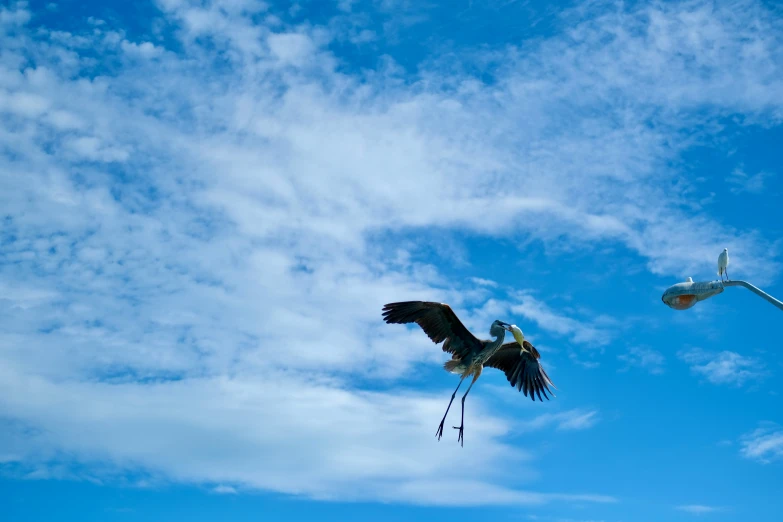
(756, 291)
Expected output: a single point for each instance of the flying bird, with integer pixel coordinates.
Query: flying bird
(723, 263)
(519, 360)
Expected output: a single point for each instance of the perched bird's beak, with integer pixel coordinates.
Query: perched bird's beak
(505, 326)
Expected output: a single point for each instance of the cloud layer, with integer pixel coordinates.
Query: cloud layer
(199, 231)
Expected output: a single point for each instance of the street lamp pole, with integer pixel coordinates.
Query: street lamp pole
(756, 291)
(682, 296)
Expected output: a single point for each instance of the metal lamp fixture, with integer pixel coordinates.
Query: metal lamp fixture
(682, 296)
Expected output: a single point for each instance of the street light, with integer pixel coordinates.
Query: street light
(682, 296)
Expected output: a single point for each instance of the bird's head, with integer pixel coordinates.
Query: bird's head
(725, 249)
(498, 328)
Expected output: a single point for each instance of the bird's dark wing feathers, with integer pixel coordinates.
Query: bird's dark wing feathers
(522, 369)
(438, 321)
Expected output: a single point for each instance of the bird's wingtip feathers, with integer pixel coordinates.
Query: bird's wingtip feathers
(401, 312)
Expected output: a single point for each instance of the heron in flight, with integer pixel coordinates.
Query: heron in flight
(723, 263)
(518, 360)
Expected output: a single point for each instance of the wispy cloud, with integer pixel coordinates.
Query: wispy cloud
(571, 420)
(723, 367)
(550, 320)
(484, 282)
(584, 360)
(765, 444)
(645, 358)
(545, 518)
(742, 182)
(224, 490)
(698, 509)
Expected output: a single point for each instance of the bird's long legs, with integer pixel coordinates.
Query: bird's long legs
(461, 427)
(439, 433)
(727, 273)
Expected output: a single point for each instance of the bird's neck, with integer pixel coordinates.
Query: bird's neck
(494, 345)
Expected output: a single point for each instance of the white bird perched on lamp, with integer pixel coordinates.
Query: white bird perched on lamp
(723, 263)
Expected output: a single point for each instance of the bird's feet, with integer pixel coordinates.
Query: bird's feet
(439, 433)
(460, 438)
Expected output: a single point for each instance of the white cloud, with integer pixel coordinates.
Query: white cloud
(195, 249)
(91, 148)
(64, 120)
(224, 490)
(291, 48)
(23, 103)
(570, 420)
(548, 319)
(765, 444)
(345, 5)
(18, 16)
(723, 367)
(698, 509)
(484, 282)
(70, 40)
(555, 204)
(646, 358)
(288, 432)
(583, 360)
(742, 182)
(141, 50)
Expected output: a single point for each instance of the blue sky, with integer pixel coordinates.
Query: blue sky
(205, 206)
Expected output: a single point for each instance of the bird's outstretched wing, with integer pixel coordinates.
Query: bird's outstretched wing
(522, 369)
(438, 321)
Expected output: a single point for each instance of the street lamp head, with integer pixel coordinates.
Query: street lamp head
(682, 296)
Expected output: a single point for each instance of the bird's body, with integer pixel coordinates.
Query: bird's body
(723, 263)
(519, 360)
(474, 363)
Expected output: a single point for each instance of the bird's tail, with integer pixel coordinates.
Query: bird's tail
(451, 365)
